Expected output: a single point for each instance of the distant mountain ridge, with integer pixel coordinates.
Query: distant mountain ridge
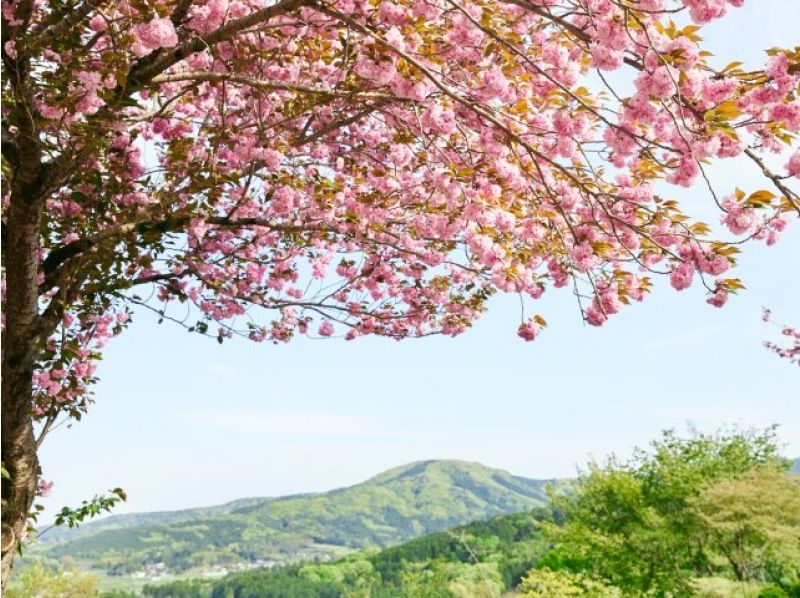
(394, 506)
(61, 534)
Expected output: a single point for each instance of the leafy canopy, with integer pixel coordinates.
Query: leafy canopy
(650, 525)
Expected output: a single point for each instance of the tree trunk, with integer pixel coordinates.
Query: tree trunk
(28, 185)
(19, 357)
(19, 457)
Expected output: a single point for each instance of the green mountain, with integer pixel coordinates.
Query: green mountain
(490, 558)
(395, 506)
(57, 535)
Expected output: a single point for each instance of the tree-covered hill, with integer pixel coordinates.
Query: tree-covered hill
(703, 516)
(479, 559)
(57, 535)
(402, 503)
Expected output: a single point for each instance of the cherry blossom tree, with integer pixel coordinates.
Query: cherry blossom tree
(789, 346)
(269, 168)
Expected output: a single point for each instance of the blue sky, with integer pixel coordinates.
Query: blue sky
(181, 421)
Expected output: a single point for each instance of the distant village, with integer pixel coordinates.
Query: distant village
(157, 572)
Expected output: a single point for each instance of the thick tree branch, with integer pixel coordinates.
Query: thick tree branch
(155, 64)
(202, 76)
(45, 37)
(54, 262)
(180, 12)
(9, 147)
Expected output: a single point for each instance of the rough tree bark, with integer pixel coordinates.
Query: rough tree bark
(19, 354)
(21, 253)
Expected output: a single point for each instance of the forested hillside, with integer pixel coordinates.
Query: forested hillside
(481, 557)
(397, 505)
(711, 516)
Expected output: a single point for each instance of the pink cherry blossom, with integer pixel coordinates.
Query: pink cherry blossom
(529, 330)
(44, 487)
(718, 298)
(158, 33)
(681, 277)
(793, 166)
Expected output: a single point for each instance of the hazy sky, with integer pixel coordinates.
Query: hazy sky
(181, 421)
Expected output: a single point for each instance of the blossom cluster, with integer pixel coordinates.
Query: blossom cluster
(385, 167)
(789, 347)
